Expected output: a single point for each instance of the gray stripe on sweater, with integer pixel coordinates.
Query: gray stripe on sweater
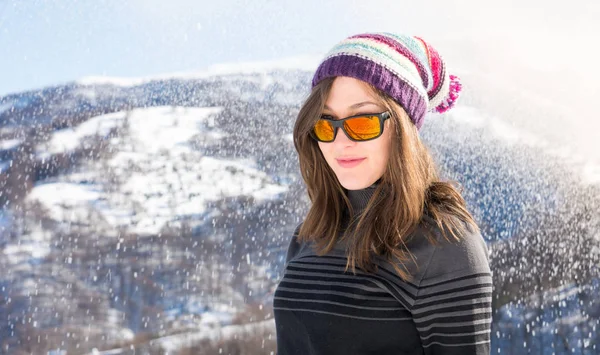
(453, 304)
(461, 344)
(485, 321)
(341, 304)
(483, 289)
(480, 332)
(346, 284)
(383, 288)
(456, 285)
(337, 293)
(341, 314)
(449, 315)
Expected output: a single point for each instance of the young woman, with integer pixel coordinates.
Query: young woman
(388, 259)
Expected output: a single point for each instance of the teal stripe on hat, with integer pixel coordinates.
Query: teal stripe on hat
(345, 46)
(413, 45)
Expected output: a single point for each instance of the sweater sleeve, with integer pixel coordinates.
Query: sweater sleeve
(453, 305)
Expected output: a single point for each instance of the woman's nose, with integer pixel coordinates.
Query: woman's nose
(342, 138)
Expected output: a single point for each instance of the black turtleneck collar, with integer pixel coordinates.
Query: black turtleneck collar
(360, 198)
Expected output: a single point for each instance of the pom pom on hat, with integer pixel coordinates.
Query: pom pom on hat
(449, 101)
(405, 67)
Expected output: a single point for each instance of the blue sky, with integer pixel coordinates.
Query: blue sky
(45, 42)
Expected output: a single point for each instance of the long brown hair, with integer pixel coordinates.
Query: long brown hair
(409, 188)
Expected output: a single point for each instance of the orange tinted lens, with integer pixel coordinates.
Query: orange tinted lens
(323, 130)
(361, 128)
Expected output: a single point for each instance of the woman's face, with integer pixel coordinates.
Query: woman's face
(349, 97)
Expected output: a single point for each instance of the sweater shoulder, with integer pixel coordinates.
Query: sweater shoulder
(444, 259)
(450, 259)
(294, 245)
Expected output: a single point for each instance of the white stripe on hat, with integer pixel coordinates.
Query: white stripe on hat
(405, 75)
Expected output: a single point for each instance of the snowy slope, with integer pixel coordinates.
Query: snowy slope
(182, 209)
(163, 179)
(150, 177)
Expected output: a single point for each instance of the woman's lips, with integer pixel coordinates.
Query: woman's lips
(349, 163)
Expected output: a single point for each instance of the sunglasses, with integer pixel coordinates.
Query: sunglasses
(357, 128)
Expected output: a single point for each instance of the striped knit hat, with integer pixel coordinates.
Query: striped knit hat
(405, 67)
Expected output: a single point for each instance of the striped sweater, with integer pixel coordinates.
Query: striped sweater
(446, 309)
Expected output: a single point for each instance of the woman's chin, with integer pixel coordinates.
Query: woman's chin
(356, 184)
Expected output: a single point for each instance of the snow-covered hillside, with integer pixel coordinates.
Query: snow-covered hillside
(161, 178)
(154, 214)
(160, 187)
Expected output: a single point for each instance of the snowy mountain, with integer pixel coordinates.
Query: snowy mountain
(170, 211)
(152, 215)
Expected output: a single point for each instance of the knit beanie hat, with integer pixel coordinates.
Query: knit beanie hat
(405, 67)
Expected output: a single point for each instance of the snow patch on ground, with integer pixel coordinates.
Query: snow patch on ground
(153, 177)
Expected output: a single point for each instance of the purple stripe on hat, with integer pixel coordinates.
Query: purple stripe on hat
(380, 77)
(400, 48)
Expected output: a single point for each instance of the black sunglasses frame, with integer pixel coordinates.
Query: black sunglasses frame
(382, 117)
